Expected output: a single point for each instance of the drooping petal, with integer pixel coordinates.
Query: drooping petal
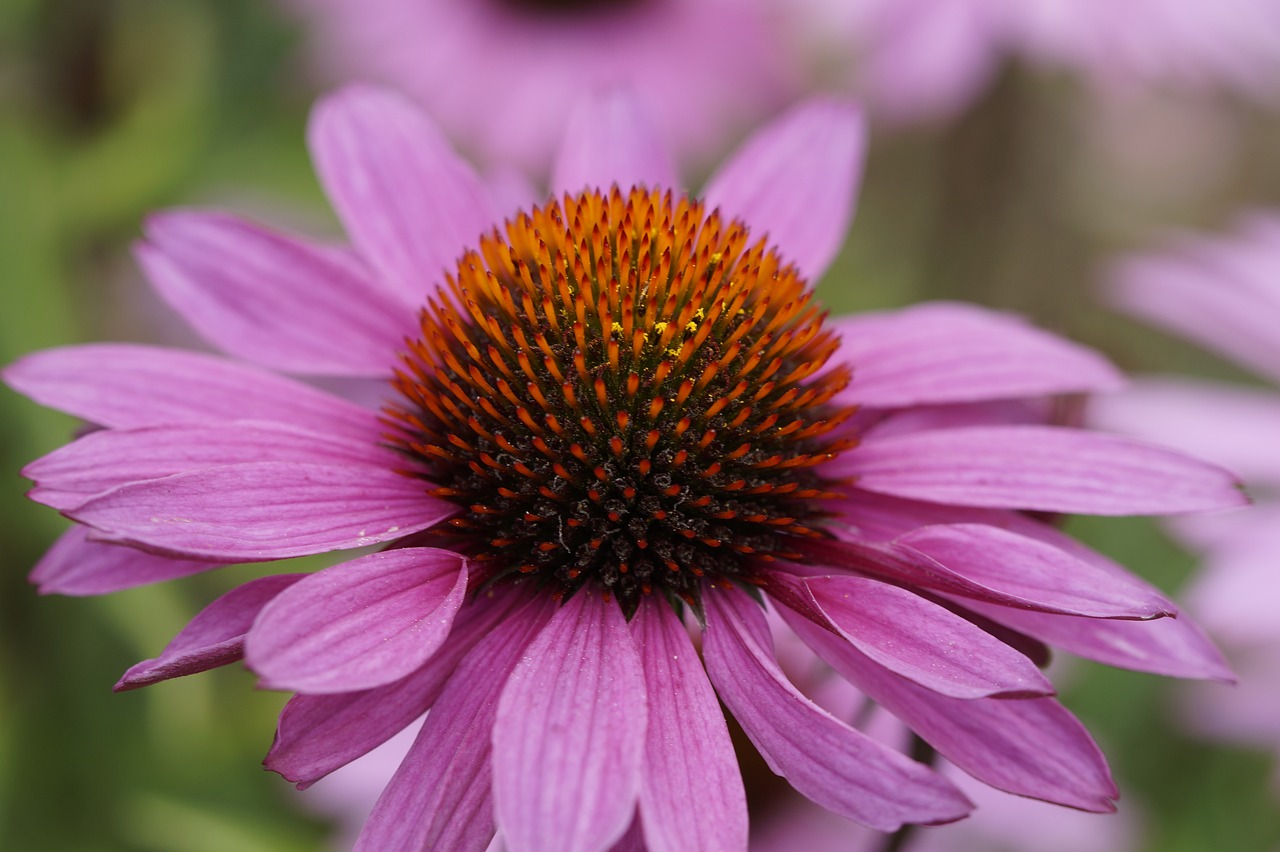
(610, 141)
(1029, 746)
(264, 510)
(359, 625)
(1043, 468)
(875, 424)
(796, 180)
(215, 637)
(785, 585)
(1035, 570)
(1174, 647)
(76, 566)
(273, 299)
(1168, 646)
(922, 641)
(441, 797)
(902, 563)
(829, 762)
(691, 793)
(317, 734)
(569, 737)
(124, 386)
(951, 353)
(410, 204)
(879, 517)
(110, 458)
(634, 839)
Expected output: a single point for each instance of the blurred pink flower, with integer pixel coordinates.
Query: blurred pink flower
(612, 412)
(501, 76)
(918, 59)
(1224, 294)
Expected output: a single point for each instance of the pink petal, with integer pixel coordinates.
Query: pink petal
(273, 299)
(511, 190)
(829, 762)
(1044, 468)
(611, 141)
(1029, 746)
(213, 638)
(1169, 646)
(903, 564)
(634, 839)
(1220, 294)
(569, 738)
(410, 204)
(317, 734)
(265, 510)
(951, 353)
(76, 566)
(796, 181)
(1236, 592)
(1035, 570)
(1231, 426)
(924, 61)
(123, 386)
(878, 517)
(922, 641)
(107, 459)
(360, 624)
(691, 794)
(877, 423)
(1211, 534)
(1174, 647)
(1245, 713)
(441, 797)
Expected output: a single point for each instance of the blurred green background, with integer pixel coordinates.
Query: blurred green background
(112, 108)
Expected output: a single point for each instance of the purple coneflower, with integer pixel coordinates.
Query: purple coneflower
(918, 59)
(1222, 292)
(501, 76)
(614, 416)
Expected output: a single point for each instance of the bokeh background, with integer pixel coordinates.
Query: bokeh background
(112, 108)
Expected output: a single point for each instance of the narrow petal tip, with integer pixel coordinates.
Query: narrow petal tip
(797, 180)
(611, 140)
(137, 676)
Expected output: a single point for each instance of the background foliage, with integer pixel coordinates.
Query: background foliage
(112, 108)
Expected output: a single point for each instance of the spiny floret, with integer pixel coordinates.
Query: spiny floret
(623, 388)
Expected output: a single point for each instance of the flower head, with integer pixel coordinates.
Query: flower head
(700, 67)
(615, 416)
(1223, 293)
(624, 392)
